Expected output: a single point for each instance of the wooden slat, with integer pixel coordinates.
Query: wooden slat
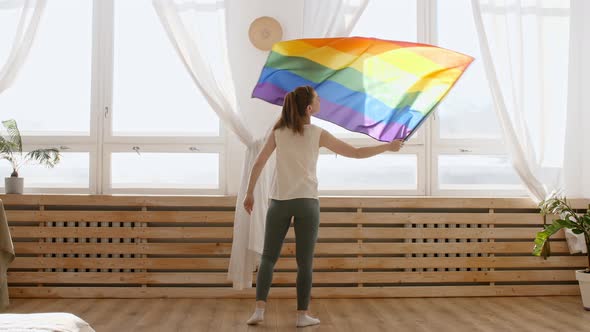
(122, 216)
(319, 262)
(123, 232)
(435, 246)
(289, 277)
(325, 201)
(369, 248)
(125, 248)
(430, 218)
(122, 200)
(428, 202)
(287, 249)
(228, 217)
(290, 292)
(325, 233)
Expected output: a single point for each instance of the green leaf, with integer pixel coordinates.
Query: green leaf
(577, 231)
(46, 157)
(13, 135)
(568, 223)
(6, 149)
(544, 235)
(557, 204)
(5, 145)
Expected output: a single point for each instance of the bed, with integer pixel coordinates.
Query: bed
(43, 322)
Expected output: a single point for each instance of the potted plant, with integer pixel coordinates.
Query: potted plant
(557, 205)
(11, 149)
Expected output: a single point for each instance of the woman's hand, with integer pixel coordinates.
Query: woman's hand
(249, 202)
(395, 145)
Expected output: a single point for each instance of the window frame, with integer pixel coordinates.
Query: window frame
(164, 148)
(110, 143)
(66, 148)
(427, 145)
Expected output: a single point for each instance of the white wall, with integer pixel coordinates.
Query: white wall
(247, 62)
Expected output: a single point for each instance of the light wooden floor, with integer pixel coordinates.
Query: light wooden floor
(557, 313)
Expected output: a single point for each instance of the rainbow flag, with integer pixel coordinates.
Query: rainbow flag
(382, 88)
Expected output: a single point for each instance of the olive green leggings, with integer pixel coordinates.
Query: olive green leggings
(306, 212)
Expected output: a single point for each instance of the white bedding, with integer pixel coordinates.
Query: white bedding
(44, 322)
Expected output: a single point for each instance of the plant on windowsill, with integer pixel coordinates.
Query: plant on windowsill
(557, 205)
(11, 149)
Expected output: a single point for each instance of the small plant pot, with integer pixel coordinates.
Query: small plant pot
(14, 185)
(584, 281)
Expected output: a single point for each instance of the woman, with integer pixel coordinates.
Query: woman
(295, 194)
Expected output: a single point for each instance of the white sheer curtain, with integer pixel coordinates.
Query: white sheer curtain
(576, 160)
(535, 75)
(196, 28)
(525, 47)
(19, 20)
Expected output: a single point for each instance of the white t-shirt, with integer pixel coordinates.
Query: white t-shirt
(296, 160)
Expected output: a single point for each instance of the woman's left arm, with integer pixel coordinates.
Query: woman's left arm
(263, 156)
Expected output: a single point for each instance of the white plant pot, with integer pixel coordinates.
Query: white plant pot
(14, 185)
(584, 281)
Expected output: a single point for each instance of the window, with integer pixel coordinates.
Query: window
(393, 20)
(164, 171)
(72, 174)
(118, 101)
(388, 173)
(153, 94)
(458, 150)
(466, 112)
(9, 19)
(399, 25)
(380, 175)
(161, 136)
(51, 95)
(476, 172)
(468, 154)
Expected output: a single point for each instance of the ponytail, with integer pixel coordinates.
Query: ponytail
(294, 107)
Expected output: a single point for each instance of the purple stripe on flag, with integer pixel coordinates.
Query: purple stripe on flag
(270, 93)
(341, 115)
(352, 120)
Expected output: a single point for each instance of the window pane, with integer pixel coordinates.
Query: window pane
(466, 112)
(381, 172)
(51, 94)
(153, 93)
(71, 172)
(165, 170)
(477, 172)
(386, 19)
(550, 127)
(9, 18)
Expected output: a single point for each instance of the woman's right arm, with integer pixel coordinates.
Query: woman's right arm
(344, 149)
